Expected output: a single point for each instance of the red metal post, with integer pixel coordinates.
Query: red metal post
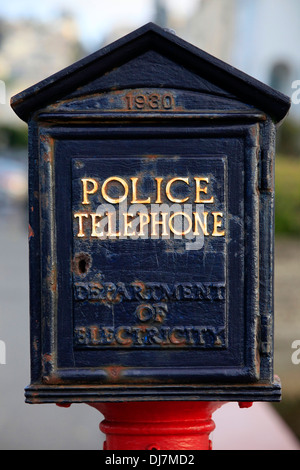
(157, 425)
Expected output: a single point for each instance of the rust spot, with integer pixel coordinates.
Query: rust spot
(56, 105)
(47, 143)
(47, 156)
(44, 139)
(142, 289)
(30, 232)
(47, 358)
(35, 344)
(52, 380)
(152, 156)
(114, 372)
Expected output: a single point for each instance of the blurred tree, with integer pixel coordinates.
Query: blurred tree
(288, 138)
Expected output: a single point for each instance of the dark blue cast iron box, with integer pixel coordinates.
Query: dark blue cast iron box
(151, 205)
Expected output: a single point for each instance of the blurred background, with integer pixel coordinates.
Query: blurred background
(37, 39)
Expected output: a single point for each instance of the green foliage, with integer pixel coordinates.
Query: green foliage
(13, 137)
(288, 138)
(287, 196)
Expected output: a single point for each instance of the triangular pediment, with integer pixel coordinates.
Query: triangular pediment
(151, 58)
(150, 74)
(150, 69)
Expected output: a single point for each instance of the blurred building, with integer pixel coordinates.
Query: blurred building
(259, 37)
(31, 50)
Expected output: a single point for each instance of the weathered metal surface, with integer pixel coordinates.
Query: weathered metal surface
(151, 227)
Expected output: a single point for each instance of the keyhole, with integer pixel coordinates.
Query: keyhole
(82, 266)
(82, 263)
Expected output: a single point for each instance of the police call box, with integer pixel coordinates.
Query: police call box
(151, 212)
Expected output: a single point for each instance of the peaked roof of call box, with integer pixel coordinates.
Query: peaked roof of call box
(212, 75)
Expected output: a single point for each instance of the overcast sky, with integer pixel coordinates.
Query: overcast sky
(95, 17)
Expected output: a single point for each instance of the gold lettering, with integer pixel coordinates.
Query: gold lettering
(168, 189)
(120, 338)
(159, 223)
(203, 224)
(134, 192)
(188, 219)
(120, 198)
(177, 335)
(199, 190)
(95, 226)
(111, 225)
(128, 224)
(217, 224)
(155, 222)
(85, 183)
(158, 190)
(144, 220)
(80, 216)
